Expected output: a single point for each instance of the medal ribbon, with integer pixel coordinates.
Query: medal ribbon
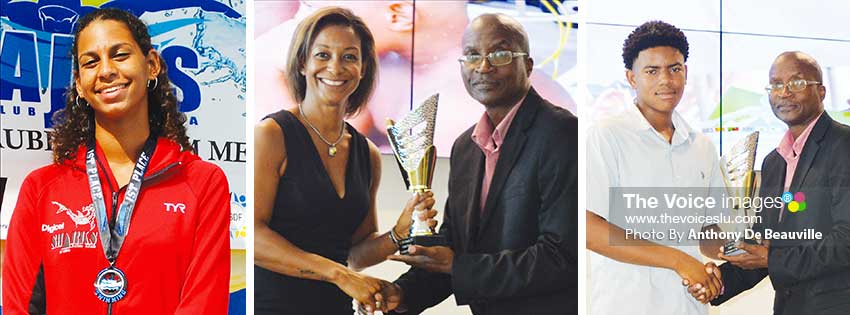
(112, 239)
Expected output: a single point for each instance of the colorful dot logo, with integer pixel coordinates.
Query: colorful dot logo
(796, 202)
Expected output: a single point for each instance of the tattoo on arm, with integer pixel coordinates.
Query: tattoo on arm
(312, 274)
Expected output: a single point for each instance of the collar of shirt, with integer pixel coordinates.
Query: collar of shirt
(789, 148)
(683, 133)
(490, 139)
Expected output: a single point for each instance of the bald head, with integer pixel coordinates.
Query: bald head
(500, 23)
(797, 108)
(802, 61)
(500, 86)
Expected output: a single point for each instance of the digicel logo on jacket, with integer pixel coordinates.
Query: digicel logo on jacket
(82, 232)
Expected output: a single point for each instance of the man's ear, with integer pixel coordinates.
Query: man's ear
(529, 65)
(399, 14)
(630, 76)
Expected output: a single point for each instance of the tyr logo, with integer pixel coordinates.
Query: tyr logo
(174, 207)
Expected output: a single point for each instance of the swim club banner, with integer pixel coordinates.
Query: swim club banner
(203, 44)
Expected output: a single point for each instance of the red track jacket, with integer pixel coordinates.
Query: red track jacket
(176, 256)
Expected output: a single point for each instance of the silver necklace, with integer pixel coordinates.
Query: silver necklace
(331, 146)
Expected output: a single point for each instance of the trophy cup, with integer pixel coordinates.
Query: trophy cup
(738, 175)
(412, 140)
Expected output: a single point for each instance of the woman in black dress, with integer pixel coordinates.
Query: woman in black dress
(316, 178)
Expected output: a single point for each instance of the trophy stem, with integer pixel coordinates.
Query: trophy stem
(419, 227)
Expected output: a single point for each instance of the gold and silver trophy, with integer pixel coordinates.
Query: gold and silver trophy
(412, 140)
(737, 166)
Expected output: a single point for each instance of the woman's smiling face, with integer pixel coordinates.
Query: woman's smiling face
(333, 67)
(113, 71)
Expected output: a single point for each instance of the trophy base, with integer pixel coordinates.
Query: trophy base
(422, 240)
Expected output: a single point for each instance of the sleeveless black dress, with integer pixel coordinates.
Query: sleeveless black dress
(309, 213)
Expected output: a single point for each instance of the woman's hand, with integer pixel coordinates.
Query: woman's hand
(360, 287)
(421, 204)
(388, 299)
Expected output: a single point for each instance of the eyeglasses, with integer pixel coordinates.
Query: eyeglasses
(496, 58)
(793, 86)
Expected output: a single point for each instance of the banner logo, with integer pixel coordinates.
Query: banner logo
(35, 52)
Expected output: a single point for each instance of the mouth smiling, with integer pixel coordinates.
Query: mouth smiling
(332, 82)
(112, 89)
(112, 93)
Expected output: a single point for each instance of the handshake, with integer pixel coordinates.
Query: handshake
(706, 284)
(370, 294)
(385, 299)
(385, 296)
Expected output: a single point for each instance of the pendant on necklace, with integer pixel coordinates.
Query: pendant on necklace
(332, 150)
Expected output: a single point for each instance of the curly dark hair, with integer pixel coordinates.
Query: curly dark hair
(653, 34)
(74, 124)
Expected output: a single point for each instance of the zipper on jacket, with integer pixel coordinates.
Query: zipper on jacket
(116, 193)
(114, 208)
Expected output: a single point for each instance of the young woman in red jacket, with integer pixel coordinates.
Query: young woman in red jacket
(127, 220)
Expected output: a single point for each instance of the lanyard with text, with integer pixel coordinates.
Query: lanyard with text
(111, 283)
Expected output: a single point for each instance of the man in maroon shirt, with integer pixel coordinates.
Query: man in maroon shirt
(511, 214)
(810, 275)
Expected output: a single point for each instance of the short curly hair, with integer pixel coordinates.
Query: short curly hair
(653, 34)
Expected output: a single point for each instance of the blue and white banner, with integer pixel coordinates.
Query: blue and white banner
(201, 41)
(203, 44)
